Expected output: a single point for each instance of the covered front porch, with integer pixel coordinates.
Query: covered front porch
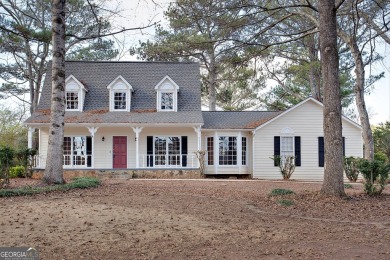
(125, 147)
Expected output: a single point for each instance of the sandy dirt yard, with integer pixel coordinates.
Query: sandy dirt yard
(201, 219)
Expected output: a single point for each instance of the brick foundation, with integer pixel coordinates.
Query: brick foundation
(127, 174)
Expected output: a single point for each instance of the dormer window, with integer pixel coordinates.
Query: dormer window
(167, 91)
(120, 94)
(72, 100)
(74, 94)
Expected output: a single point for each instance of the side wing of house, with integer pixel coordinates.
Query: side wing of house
(299, 133)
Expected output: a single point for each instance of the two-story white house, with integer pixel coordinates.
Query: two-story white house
(147, 115)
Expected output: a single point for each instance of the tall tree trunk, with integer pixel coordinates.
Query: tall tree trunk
(212, 81)
(360, 103)
(333, 172)
(54, 170)
(314, 72)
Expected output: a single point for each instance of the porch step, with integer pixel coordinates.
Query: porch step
(113, 175)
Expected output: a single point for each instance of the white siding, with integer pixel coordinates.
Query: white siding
(306, 121)
(103, 149)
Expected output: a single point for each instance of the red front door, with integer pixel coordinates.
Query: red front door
(119, 155)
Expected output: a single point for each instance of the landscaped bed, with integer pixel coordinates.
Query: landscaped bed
(138, 219)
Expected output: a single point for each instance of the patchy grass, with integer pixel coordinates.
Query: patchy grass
(281, 192)
(348, 186)
(77, 183)
(286, 202)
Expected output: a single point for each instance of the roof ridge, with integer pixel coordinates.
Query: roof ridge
(138, 61)
(244, 111)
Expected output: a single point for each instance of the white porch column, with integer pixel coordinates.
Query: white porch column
(30, 137)
(253, 153)
(199, 133)
(239, 152)
(92, 131)
(137, 131)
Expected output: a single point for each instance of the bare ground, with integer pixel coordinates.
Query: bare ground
(201, 219)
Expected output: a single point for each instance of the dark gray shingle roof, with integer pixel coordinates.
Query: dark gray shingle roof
(143, 77)
(236, 120)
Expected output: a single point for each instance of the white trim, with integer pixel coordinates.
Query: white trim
(119, 85)
(174, 90)
(37, 125)
(298, 105)
(30, 137)
(169, 79)
(137, 131)
(81, 90)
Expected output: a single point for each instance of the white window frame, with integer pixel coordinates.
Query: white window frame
(287, 132)
(66, 101)
(167, 85)
(167, 152)
(72, 165)
(72, 85)
(126, 100)
(216, 149)
(119, 85)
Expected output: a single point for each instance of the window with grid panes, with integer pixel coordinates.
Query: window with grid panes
(227, 150)
(120, 100)
(286, 147)
(72, 100)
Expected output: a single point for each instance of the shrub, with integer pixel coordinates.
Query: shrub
(348, 186)
(380, 156)
(17, 172)
(286, 202)
(278, 192)
(77, 183)
(6, 157)
(375, 175)
(351, 168)
(25, 157)
(286, 165)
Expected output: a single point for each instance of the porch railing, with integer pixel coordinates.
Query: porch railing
(169, 161)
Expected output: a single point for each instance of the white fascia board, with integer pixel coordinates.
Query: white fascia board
(300, 104)
(120, 78)
(167, 78)
(71, 77)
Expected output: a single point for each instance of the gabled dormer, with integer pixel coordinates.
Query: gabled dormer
(74, 94)
(120, 94)
(167, 91)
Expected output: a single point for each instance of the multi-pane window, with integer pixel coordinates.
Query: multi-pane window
(76, 151)
(227, 150)
(72, 100)
(286, 147)
(120, 100)
(166, 101)
(210, 150)
(167, 151)
(243, 152)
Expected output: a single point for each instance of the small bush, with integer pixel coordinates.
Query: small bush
(380, 156)
(375, 175)
(280, 192)
(77, 183)
(351, 168)
(286, 165)
(348, 186)
(286, 202)
(17, 172)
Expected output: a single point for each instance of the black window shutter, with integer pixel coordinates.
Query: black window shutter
(344, 146)
(297, 155)
(276, 149)
(184, 150)
(89, 151)
(149, 151)
(321, 152)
